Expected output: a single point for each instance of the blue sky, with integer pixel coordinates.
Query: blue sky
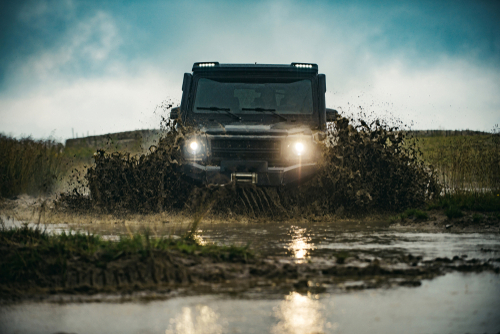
(101, 67)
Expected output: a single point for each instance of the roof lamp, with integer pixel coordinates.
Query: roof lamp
(206, 64)
(303, 65)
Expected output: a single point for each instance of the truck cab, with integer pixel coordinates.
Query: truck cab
(253, 123)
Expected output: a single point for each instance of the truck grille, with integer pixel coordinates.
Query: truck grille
(259, 149)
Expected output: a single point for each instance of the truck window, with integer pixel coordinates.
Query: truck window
(284, 98)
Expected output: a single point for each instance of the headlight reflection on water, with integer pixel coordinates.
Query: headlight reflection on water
(299, 247)
(203, 320)
(299, 314)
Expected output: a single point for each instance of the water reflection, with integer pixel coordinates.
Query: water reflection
(299, 247)
(299, 314)
(200, 320)
(198, 238)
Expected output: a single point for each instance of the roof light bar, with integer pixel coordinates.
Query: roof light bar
(303, 65)
(206, 64)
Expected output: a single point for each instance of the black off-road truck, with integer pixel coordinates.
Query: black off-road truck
(257, 123)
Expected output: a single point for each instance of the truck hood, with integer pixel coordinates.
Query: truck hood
(278, 129)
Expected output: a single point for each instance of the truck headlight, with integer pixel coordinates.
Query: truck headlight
(194, 147)
(298, 148)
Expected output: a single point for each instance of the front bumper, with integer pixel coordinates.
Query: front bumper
(271, 176)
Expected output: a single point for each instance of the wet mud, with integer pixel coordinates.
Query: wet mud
(165, 271)
(363, 169)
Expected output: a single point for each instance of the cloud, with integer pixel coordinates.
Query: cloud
(39, 13)
(451, 94)
(84, 49)
(81, 82)
(106, 63)
(94, 105)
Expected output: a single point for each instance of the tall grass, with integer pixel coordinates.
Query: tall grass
(465, 164)
(28, 166)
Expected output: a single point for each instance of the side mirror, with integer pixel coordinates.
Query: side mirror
(322, 102)
(331, 115)
(175, 112)
(186, 91)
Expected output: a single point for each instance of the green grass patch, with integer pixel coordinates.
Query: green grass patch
(27, 252)
(90, 244)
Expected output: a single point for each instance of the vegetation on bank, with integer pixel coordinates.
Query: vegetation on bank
(32, 255)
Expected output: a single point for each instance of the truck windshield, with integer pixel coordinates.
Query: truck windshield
(249, 98)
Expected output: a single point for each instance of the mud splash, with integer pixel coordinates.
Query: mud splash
(369, 167)
(364, 169)
(146, 183)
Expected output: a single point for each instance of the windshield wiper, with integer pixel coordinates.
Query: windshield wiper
(226, 110)
(272, 111)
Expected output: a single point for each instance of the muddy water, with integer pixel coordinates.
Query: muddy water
(454, 303)
(302, 241)
(305, 240)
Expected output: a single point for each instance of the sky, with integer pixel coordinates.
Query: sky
(71, 68)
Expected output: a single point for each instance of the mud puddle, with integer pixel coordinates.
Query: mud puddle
(321, 277)
(304, 240)
(454, 303)
(303, 256)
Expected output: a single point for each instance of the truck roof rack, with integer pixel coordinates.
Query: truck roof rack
(216, 66)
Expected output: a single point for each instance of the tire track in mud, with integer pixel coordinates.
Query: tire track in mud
(170, 270)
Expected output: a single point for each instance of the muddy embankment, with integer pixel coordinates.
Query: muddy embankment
(363, 169)
(32, 270)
